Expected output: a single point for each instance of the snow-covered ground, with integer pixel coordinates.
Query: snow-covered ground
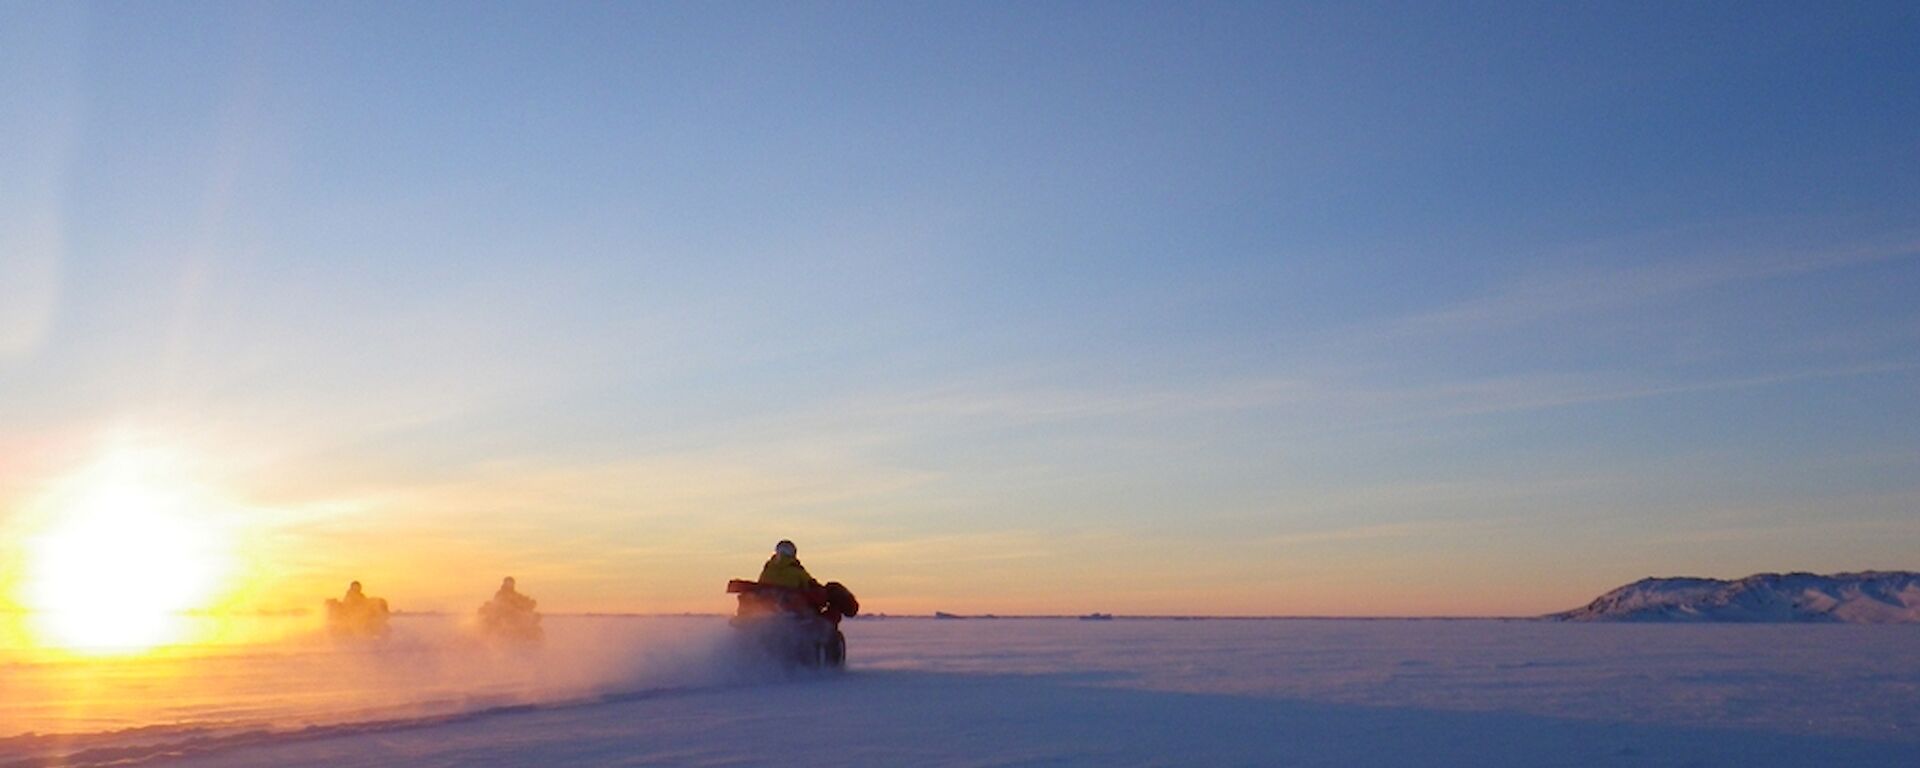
(665, 691)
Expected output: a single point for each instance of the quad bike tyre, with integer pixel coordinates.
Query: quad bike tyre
(835, 652)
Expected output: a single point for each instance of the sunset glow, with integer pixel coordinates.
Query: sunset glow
(1098, 384)
(1081, 309)
(121, 554)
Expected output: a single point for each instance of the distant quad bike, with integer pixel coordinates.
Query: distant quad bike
(507, 623)
(359, 619)
(800, 627)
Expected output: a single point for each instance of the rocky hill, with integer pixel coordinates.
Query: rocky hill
(1869, 597)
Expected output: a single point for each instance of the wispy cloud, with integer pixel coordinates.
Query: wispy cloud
(29, 281)
(1534, 394)
(1596, 286)
(1375, 532)
(32, 212)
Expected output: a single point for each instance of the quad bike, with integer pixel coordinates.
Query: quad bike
(795, 626)
(509, 623)
(358, 619)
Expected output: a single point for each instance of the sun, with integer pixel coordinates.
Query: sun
(122, 552)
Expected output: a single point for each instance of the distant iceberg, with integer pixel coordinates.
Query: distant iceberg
(1869, 597)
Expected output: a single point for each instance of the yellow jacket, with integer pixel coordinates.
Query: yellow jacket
(783, 571)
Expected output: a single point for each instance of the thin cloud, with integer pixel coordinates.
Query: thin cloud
(1378, 532)
(1585, 290)
(1514, 402)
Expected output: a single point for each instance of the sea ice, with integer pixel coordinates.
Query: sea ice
(662, 691)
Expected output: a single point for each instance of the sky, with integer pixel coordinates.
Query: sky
(1239, 308)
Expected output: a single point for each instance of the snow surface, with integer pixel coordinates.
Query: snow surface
(1870, 597)
(668, 691)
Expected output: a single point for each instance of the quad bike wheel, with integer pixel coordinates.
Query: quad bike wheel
(836, 651)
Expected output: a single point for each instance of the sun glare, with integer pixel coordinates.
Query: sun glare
(120, 556)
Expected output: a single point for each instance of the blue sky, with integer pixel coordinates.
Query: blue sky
(1006, 307)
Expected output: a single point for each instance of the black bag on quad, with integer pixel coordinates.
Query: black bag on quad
(795, 626)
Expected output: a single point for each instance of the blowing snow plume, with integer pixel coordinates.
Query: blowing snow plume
(425, 670)
(510, 616)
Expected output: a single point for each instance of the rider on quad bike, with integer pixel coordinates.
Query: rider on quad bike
(793, 616)
(355, 615)
(783, 569)
(510, 616)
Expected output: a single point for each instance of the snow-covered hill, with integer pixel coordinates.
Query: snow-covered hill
(1870, 597)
